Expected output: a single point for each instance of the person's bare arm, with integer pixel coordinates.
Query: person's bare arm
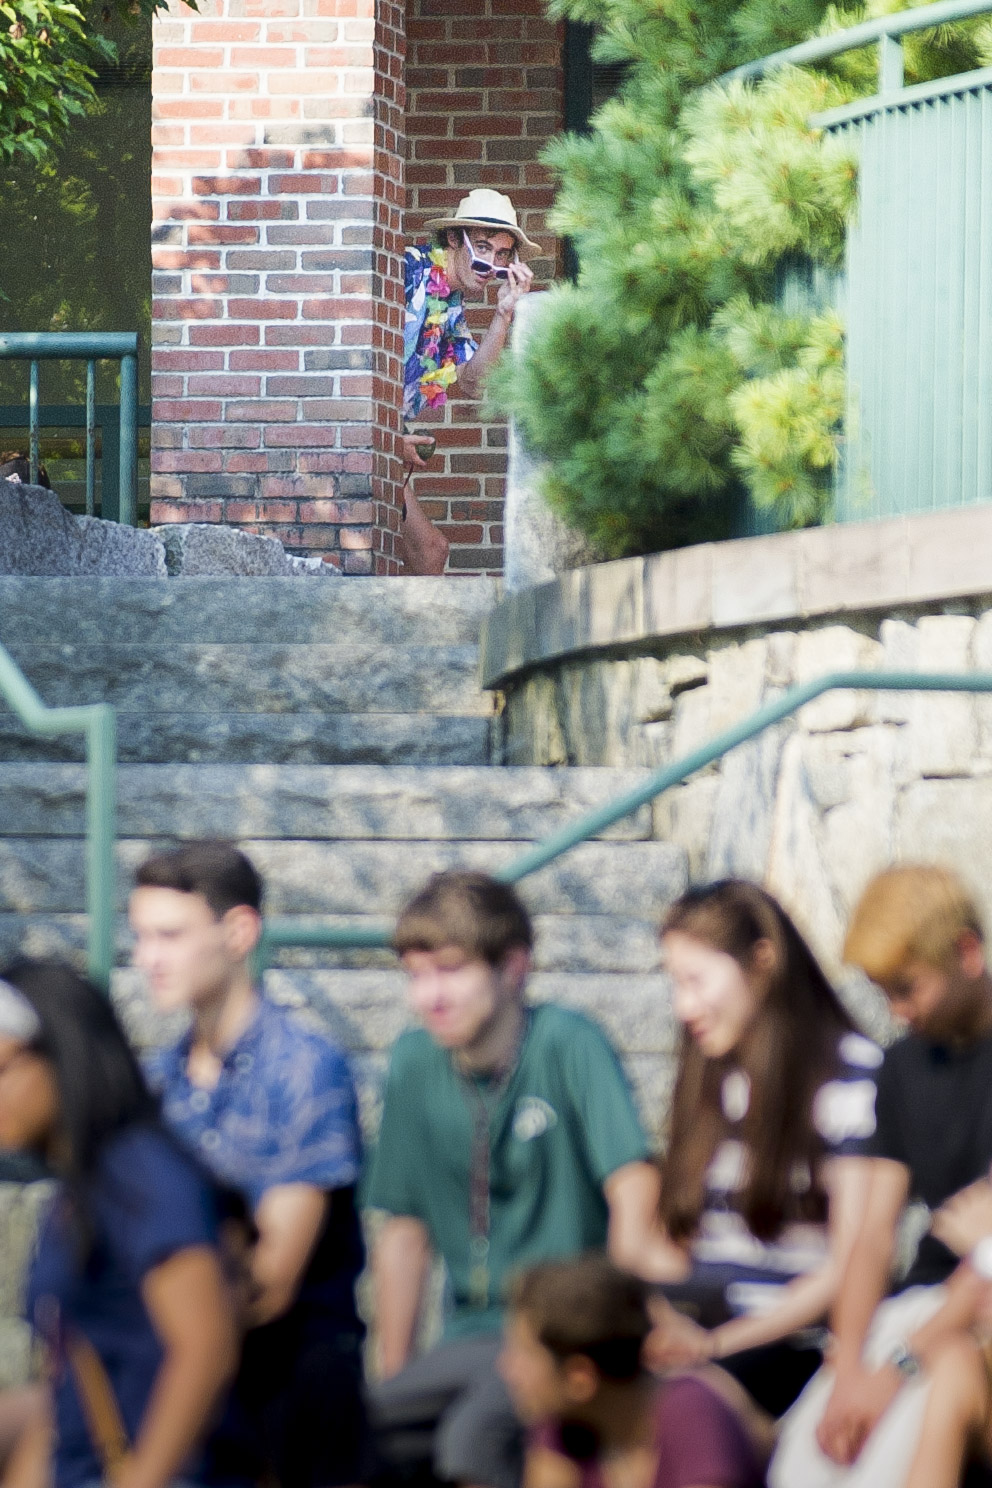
(851, 1410)
(401, 1259)
(472, 374)
(635, 1239)
(190, 1310)
(28, 1439)
(544, 1468)
(288, 1219)
(806, 1300)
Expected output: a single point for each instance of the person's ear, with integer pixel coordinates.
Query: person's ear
(971, 954)
(581, 1379)
(243, 927)
(514, 967)
(763, 957)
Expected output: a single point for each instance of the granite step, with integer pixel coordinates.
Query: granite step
(258, 677)
(391, 612)
(300, 738)
(520, 803)
(44, 875)
(609, 944)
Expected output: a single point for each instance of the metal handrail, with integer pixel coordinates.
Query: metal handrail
(284, 932)
(98, 722)
(882, 29)
(91, 347)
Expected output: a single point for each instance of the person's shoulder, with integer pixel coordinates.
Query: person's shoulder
(414, 1050)
(417, 260)
(565, 1029)
(693, 1408)
(293, 1043)
(163, 1066)
(905, 1057)
(294, 1029)
(844, 1105)
(146, 1155)
(858, 1057)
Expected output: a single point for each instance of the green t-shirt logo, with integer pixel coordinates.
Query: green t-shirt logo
(532, 1118)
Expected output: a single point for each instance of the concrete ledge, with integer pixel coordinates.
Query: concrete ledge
(860, 566)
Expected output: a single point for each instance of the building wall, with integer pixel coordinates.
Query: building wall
(282, 130)
(484, 94)
(276, 327)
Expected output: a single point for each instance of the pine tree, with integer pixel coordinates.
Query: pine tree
(667, 386)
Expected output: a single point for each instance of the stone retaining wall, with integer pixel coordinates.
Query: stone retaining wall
(598, 668)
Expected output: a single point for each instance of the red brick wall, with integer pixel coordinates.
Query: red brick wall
(484, 93)
(277, 336)
(389, 196)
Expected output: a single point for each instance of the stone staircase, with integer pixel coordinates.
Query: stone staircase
(337, 730)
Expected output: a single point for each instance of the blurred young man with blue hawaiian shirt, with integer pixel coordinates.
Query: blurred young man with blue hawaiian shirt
(267, 1104)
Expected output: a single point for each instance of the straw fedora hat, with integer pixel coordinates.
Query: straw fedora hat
(485, 208)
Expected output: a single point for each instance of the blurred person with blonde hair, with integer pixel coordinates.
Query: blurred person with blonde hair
(866, 1421)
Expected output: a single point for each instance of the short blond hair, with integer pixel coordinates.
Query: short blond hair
(916, 912)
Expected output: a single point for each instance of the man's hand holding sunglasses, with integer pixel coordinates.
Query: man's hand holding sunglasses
(504, 266)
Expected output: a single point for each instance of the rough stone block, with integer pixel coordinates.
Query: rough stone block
(39, 537)
(653, 697)
(744, 809)
(736, 681)
(900, 653)
(796, 871)
(942, 737)
(981, 656)
(835, 648)
(857, 832)
(949, 821)
(210, 548)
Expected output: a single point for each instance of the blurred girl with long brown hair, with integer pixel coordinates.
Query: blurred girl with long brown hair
(764, 1178)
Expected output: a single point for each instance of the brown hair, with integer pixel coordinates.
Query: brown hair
(586, 1306)
(217, 871)
(478, 914)
(787, 1053)
(916, 912)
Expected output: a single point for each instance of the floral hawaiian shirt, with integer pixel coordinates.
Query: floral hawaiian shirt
(436, 339)
(283, 1110)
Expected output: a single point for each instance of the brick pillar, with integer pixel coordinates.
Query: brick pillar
(485, 90)
(277, 173)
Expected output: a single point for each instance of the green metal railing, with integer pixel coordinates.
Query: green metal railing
(289, 932)
(104, 420)
(98, 722)
(885, 30)
(917, 275)
(91, 347)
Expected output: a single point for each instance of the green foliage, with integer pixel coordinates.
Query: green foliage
(666, 379)
(51, 52)
(74, 244)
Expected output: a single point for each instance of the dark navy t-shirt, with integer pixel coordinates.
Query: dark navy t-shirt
(935, 1118)
(146, 1201)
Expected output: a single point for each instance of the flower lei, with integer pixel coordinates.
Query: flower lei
(436, 377)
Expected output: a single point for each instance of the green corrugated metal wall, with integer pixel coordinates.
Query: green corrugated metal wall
(917, 300)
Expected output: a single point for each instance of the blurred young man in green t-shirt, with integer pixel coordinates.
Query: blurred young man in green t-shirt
(509, 1136)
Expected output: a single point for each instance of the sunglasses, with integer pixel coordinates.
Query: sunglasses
(482, 265)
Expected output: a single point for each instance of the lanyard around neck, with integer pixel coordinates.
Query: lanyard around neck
(483, 1104)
